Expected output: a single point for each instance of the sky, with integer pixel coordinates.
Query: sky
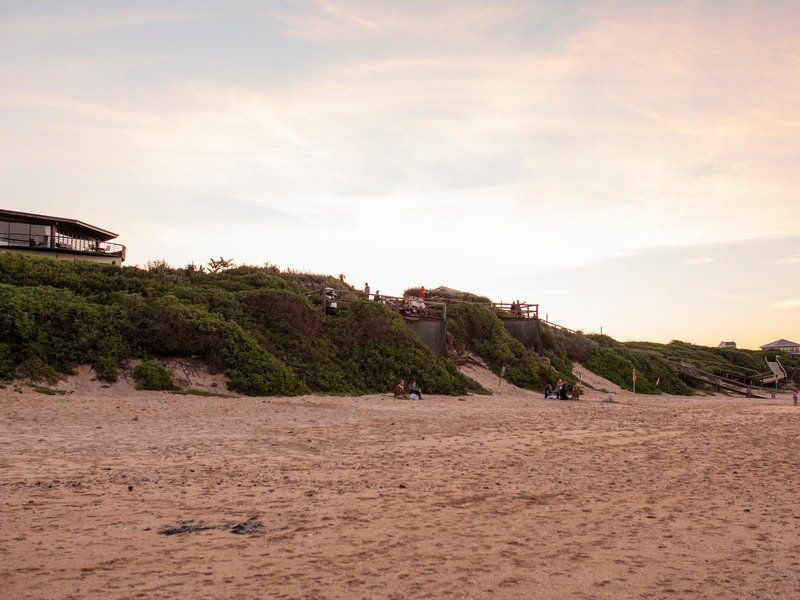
(629, 165)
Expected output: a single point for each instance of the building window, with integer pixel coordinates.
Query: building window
(20, 234)
(40, 235)
(3, 233)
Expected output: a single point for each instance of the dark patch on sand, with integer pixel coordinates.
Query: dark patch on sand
(251, 526)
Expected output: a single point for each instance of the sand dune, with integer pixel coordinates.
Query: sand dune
(594, 381)
(501, 496)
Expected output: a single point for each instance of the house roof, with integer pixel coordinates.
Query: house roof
(781, 344)
(71, 226)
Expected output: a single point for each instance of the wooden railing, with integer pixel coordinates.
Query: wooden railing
(409, 307)
(520, 310)
(557, 326)
(413, 306)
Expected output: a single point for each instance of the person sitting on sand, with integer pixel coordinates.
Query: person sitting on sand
(794, 396)
(549, 394)
(577, 391)
(562, 394)
(400, 389)
(414, 392)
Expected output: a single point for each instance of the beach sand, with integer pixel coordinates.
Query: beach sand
(505, 496)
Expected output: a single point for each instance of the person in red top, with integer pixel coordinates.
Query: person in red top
(423, 293)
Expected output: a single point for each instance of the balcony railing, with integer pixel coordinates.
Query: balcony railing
(63, 243)
(520, 310)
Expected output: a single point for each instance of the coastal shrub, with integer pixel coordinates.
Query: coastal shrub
(36, 370)
(475, 327)
(7, 364)
(289, 326)
(262, 327)
(57, 327)
(559, 362)
(376, 350)
(166, 327)
(107, 368)
(443, 293)
(253, 323)
(152, 375)
(311, 282)
(256, 372)
(616, 362)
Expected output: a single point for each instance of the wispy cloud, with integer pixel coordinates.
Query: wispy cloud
(788, 260)
(733, 295)
(786, 304)
(699, 260)
(56, 25)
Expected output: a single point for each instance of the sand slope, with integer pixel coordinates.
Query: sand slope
(594, 381)
(491, 382)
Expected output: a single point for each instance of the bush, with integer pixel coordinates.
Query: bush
(152, 375)
(376, 350)
(476, 327)
(290, 327)
(56, 327)
(166, 327)
(443, 293)
(7, 363)
(35, 370)
(107, 369)
(616, 362)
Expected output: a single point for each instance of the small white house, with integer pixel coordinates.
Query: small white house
(727, 345)
(783, 346)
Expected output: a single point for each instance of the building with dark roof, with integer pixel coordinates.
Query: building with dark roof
(57, 237)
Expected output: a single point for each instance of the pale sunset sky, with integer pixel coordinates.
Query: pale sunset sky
(633, 165)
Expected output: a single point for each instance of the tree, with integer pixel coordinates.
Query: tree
(215, 265)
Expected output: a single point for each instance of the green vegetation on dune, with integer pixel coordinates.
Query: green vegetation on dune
(717, 360)
(261, 327)
(448, 294)
(375, 346)
(256, 324)
(616, 362)
(57, 328)
(655, 363)
(477, 328)
(152, 375)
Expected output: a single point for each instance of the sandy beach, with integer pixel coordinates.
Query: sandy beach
(108, 492)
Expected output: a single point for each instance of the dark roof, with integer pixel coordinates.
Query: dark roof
(780, 344)
(73, 225)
